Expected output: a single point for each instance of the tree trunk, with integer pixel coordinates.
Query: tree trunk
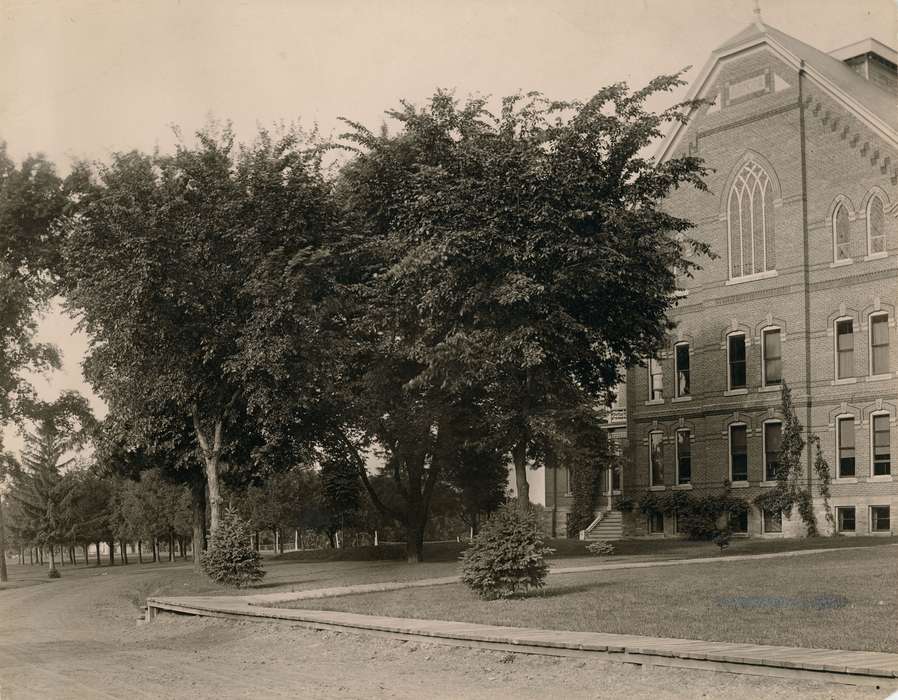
(3, 574)
(111, 544)
(86, 548)
(97, 553)
(139, 552)
(171, 547)
(124, 552)
(519, 455)
(72, 554)
(211, 454)
(153, 545)
(198, 505)
(414, 544)
(52, 558)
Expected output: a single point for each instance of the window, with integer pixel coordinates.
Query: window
(656, 524)
(738, 453)
(772, 521)
(845, 446)
(750, 228)
(684, 456)
(879, 344)
(739, 522)
(879, 519)
(844, 348)
(773, 357)
(656, 381)
(682, 369)
(656, 460)
(736, 360)
(876, 230)
(882, 464)
(841, 234)
(773, 442)
(845, 519)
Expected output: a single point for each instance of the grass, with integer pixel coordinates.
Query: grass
(841, 599)
(569, 548)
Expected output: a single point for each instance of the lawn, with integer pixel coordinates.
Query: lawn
(844, 599)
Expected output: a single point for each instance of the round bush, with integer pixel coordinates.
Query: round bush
(508, 555)
(230, 559)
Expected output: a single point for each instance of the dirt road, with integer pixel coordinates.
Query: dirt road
(77, 637)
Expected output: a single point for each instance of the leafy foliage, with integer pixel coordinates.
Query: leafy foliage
(698, 517)
(170, 261)
(507, 557)
(600, 548)
(229, 558)
(791, 489)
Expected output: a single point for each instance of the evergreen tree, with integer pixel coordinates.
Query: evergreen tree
(230, 559)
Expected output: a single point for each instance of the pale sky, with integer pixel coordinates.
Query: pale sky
(86, 78)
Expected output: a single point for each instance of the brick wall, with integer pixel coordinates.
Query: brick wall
(845, 162)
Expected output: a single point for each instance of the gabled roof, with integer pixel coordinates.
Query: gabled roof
(872, 104)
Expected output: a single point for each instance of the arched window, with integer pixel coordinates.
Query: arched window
(841, 234)
(876, 231)
(750, 224)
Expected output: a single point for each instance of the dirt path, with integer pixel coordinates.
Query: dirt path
(77, 638)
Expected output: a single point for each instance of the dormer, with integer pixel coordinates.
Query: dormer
(873, 61)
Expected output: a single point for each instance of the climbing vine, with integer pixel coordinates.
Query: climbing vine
(697, 517)
(791, 490)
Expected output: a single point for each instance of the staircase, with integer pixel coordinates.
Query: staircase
(608, 525)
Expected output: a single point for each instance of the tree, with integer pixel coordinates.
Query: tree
(524, 257)
(165, 261)
(38, 485)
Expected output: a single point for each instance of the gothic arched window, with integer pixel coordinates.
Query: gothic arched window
(750, 223)
(841, 234)
(876, 232)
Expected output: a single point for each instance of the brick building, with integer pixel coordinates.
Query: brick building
(801, 213)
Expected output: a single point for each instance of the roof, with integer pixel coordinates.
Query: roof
(865, 46)
(870, 102)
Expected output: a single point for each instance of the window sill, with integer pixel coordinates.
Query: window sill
(771, 388)
(845, 480)
(768, 484)
(847, 533)
(844, 380)
(876, 256)
(736, 392)
(772, 535)
(657, 488)
(878, 377)
(681, 399)
(880, 533)
(739, 485)
(682, 487)
(880, 477)
(842, 263)
(655, 402)
(752, 278)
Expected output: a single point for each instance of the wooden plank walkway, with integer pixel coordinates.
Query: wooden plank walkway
(845, 666)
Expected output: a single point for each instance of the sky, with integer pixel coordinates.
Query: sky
(87, 78)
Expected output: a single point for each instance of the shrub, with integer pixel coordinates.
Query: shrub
(601, 548)
(508, 555)
(230, 559)
(624, 504)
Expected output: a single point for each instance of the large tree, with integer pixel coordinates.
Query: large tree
(165, 263)
(524, 257)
